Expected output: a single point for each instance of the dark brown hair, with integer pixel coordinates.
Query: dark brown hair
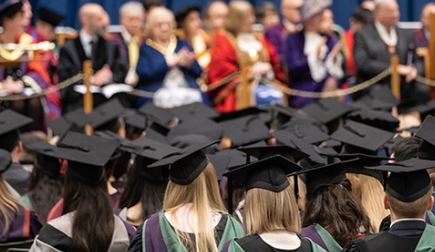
(334, 208)
(93, 224)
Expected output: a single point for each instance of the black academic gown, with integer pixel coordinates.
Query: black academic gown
(402, 237)
(18, 178)
(71, 58)
(254, 243)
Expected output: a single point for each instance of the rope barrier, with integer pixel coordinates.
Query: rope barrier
(290, 91)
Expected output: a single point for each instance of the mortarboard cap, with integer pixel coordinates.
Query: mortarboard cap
(307, 131)
(378, 119)
(228, 159)
(327, 110)
(409, 179)
(5, 161)
(262, 152)
(59, 127)
(243, 127)
(268, 174)
(151, 149)
(425, 110)
(362, 136)
(186, 141)
(135, 120)
(10, 123)
(157, 114)
(426, 133)
(87, 155)
(185, 167)
(193, 111)
(197, 126)
(46, 158)
(49, 16)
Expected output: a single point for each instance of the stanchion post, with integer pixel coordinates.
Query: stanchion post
(395, 76)
(88, 102)
(432, 50)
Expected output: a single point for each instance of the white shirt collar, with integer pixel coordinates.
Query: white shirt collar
(86, 39)
(406, 219)
(389, 38)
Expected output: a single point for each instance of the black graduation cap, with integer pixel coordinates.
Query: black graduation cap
(305, 149)
(307, 131)
(156, 114)
(409, 179)
(135, 120)
(59, 126)
(103, 117)
(185, 167)
(425, 110)
(426, 133)
(243, 127)
(87, 155)
(379, 119)
(10, 123)
(151, 149)
(193, 111)
(5, 161)
(262, 152)
(281, 115)
(368, 102)
(228, 159)
(327, 110)
(324, 175)
(268, 174)
(46, 158)
(186, 141)
(362, 136)
(197, 126)
(49, 16)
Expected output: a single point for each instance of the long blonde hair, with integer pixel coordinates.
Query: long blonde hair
(302, 192)
(267, 211)
(8, 206)
(370, 192)
(203, 194)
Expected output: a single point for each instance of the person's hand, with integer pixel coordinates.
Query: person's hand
(102, 77)
(185, 58)
(320, 47)
(409, 72)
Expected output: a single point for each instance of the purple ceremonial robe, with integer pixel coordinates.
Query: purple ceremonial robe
(310, 232)
(276, 36)
(24, 226)
(298, 70)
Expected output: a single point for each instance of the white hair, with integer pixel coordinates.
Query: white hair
(131, 8)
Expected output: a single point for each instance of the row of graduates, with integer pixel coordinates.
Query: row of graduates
(175, 172)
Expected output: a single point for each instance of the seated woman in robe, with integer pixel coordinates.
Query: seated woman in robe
(240, 49)
(166, 64)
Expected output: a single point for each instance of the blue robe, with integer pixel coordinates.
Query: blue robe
(298, 70)
(152, 69)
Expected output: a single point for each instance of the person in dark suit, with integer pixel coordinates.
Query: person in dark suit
(376, 43)
(408, 197)
(90, 44)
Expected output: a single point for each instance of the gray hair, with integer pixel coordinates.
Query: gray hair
(131, 8)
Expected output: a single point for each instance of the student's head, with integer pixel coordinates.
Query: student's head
(267, 211)
(406, 148)
(241, 17)
(92, 18)
(12, 17)
(387, 13)
(335, 209)
(11, 143)
(160, 24)
(215, 15)
(132, 17)
(426, 12)
(291, 10)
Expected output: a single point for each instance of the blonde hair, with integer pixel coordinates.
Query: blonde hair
(8, 206)
(155, 14)
(370, 192)
(203, 193)
(267, 211)
(302, 192)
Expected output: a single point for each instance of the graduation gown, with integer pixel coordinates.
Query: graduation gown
(321, 237)
(24, 226)
(403, 236)
(254, 243)
(152, 69)
(56, 236)
(299, 73)
(157, 234)
(71, 58)
(225, 61)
